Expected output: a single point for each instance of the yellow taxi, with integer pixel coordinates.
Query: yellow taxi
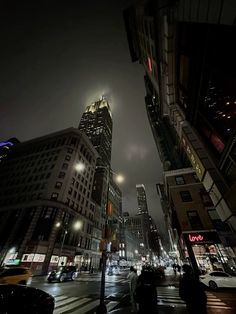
(15, 275)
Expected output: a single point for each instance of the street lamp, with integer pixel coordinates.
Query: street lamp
(76, 226)
(80, 167)
(101, 309)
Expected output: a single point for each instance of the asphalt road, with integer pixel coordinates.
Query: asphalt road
(82, 296)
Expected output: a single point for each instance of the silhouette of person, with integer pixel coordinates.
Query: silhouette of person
(133, 277)
(146, 293)
(192, 292)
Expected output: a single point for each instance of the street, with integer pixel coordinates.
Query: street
(82, 296)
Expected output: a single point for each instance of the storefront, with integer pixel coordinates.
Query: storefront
(205, 251)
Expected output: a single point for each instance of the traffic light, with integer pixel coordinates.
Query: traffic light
(109, 209)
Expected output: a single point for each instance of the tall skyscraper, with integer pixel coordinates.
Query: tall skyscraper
(96, 123)
(143, 212)
(142, 201)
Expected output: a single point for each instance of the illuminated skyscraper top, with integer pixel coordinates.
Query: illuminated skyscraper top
(142, 201)
(96, 123)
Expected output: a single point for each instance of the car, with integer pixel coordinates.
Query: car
(218, 279)
(23, 299)
(62, 274)
(15, 275)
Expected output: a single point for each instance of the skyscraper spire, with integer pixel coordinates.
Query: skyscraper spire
(96, 123)
(142, 200)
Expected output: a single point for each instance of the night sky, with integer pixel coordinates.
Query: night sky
(56, 60)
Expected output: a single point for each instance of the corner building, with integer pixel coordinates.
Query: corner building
(188, 53)
(40, 186)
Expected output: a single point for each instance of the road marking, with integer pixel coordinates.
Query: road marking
(61, 297)
(111, 305)
(222, 307)
(166, 296)
(70, 306)
(66, 301)
(87, 307)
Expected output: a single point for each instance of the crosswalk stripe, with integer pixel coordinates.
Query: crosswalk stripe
(166, 297)
(70, 306)
(59, 298)
(172, 301)
(66, 301)
(215, 303)
(87, 307)
(170, 297)
(222, 307)
(111, 305)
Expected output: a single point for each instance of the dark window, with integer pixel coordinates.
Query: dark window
(14, 272)
(218, 224)
(219, 274)
(205, 198)
(195, 177)
(194, 220)
(185, 196)
(54, 196)
(65, 166)
(67, 157)
(179, 180)
(61, 175)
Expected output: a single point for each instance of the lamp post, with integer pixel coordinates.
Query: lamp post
(76, 226)
(101, 309)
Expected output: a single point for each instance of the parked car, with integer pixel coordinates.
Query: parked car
(15, 275)
(62, 274)
(25, 300)
(218, 279)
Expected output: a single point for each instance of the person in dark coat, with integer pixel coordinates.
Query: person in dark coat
(192, 292)
(146, 293)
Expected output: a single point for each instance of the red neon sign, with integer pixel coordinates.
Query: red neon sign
(149, 64)
(195, 238)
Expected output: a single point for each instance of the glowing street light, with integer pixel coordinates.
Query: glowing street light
(101, 309)
(76, 226)
(80, 167)
(119, 178)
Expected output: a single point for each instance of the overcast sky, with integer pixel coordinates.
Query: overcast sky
(56, 61)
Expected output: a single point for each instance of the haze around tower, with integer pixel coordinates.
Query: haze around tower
(56, 63)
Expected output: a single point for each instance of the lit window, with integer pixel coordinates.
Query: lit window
(179, 180)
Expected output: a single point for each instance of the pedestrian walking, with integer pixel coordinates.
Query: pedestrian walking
(146, 293)
(174, 269)
(178, 268)
(133, 277)
(192, 292)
